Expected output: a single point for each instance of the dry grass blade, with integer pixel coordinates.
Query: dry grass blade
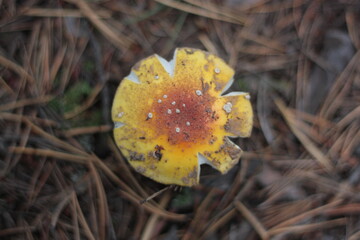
(260, 229)
(115, 38)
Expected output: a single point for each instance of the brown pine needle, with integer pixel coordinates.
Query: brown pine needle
(81, 217)
(25, 102)
(352, 26)
(50, 153)
(87, 130)
(196, 226)
(308, 227)
(307, 143)
(198, 11)
(150, 208)
(16, 68)
(258, 226)
(156, 194)
(209, 46)
(16, 230)
(220, 9)
(219, 222)
(297, 178)
(119, 40)
(355, 236)
(307, 214)
(350, 117)
(152, 222)
(38, 130)
(51, 12)
(6, 87)
(60, 207)
(103, 214)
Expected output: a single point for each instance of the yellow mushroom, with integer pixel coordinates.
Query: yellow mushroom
(171, 117)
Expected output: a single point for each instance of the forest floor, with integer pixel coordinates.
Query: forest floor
(62, 176)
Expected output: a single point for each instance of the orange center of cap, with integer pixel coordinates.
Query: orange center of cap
(184, 116)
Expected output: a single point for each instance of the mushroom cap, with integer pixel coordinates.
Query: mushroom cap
(171, 117)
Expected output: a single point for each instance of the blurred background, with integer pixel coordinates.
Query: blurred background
(62, 177)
